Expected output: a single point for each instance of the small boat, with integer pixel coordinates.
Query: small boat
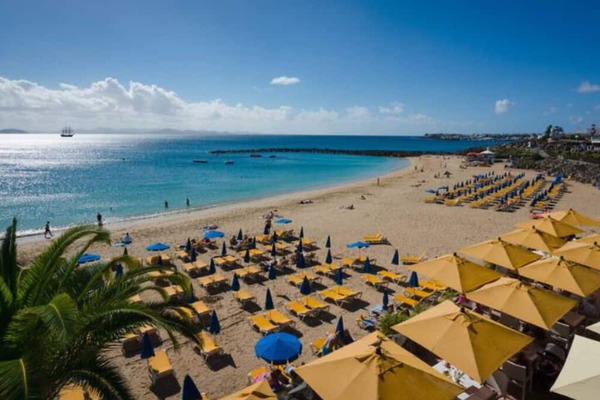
(229, 162)
(200, 161)
(67, 132)
(254, 155)
(272, 156)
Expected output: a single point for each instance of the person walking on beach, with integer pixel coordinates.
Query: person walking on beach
(166, 204)
(47, 232)
(377, 181)
(187, 201)
(99, 218)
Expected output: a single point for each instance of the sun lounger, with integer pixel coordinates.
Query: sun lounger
(174, 292)
(298, 278)
(250, 272)
(159, 366)
(375, 239)
(432, 286)
(279, 319)
(402, 300)
(258, 374)
(243, 297)
(200, 309)
(196, 267)
(211, 281)
(392, 276)
(262, 324)
(317, 346)
(263, 239)
(327, 269)
(149, 329)
(225, 261)
(414, 292)
(209, 347)
(182, 255)
(76, 392)
(314, 304)
(337, 298)
(346, 292)
(130, 343)
(299, 309)
(375, 281)
(409, 260)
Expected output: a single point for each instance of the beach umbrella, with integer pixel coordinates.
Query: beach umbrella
(88, 257)
(340, 326)
(502, 253)
(190, 390)
(590, 239)
(147, 350)
(396, 258)
(253, 242)
(581, 253)
(573, 217)
(339, 277)
(357, 245)
(247, 256)
(594, 327)
(157, 247)
(274, 238)
(273, 250)
(213, 235)
(193, 256)
(301, 234)
(456, 272)
(533, 239)
(212, 267)
(235, 283)
(328, 258)
(328, 242)
(300, 262)
(471, 342)
(240, 235)
(119, 271)
(125, 251)
(283, 221)
(300, 247)
(278, 348)
(526, 302)
(563, 274)
(367, 266)
(188, 245)
(385, 300)
(413, 280)
(580, 375)
(551, 226)
(305, 287)
(272, 273)
(374, 367)
(223, 250)
(432, 191)
(257, 391)
(215, 326)
(269, 301)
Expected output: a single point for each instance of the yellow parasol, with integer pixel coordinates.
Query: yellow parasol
(573, 217)
(528, 303)
(375, 367)
(456, 272)
(257, 391)
(582, 253)
(591, 239)
(533, 239)
(563, 274)
(502, 253)
(471, 342)
(551, 226)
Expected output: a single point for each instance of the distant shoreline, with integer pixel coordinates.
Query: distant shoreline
(373, 153)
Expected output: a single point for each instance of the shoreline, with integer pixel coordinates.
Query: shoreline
(165, 217)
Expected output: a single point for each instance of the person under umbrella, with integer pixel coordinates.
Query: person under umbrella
(190, 390)
(396, 258)
(275, 237)
(328, 258)
(269, 301)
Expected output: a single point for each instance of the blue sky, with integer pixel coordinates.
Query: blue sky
(383, 67)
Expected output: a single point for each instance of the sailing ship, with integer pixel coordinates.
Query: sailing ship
(67, 132)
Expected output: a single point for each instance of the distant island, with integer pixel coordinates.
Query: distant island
(11, 130)
(476, 136)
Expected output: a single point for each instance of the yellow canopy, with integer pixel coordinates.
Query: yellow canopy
(258, 391)
(471, 342)
(533, 239)
(591, 239)
(580, 376)
(375, 367)
(528, 303)
(573, 217)
(551, 226)
(582, 253)
(502, 253)
(563, 274)
(456, 272)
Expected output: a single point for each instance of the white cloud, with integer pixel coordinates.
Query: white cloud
(109, 103)
(502, 106)
(393, 108)
(587, 87)
(285, 80)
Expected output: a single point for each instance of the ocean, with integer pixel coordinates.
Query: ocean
(67, 181)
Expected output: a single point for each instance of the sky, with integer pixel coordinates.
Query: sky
(300, 67)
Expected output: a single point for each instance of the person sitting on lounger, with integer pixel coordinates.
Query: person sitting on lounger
(233, 242)
(276, 380)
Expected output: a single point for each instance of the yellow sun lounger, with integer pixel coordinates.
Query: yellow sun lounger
(262, 324)
(209, 347)
(337, 298)
(130, 343)
(200, 309)
(174, 292)
(409, 260)
(76, 392)
(375, 239)
(250, 272)
(195, 267)
(434, 287)
(182, 255)
(375, 281)
(413, 292)
(346, 292)
(298, 309)
(327, 269)
(211, 281)
(298, 278)
(276, 317)
(402, 300)
(243, 297)
(392, 276)
(317, 346)
(314, 304)
(159, 366)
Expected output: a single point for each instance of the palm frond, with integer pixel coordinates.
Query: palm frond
(9, 270)
(19, 380)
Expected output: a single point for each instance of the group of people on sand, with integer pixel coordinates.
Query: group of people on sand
(237, 245)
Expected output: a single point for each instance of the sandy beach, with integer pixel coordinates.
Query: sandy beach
(395, 208)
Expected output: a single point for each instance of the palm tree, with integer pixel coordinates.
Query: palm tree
(58, 320)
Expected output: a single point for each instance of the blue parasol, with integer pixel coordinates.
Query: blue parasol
(193, 256)
(300, 262)
(147, 350)
(274, 238)
(272, 273)
(215, 326)
(396, 258)
(305, 287)
(357, 245)
(328, 242)
(367, 266)
(213, 234)
(247, 256)
(235, 283)
(190, 390)
(212, 268)
(188, 246)
(88, 257)
(278, 348)
(328, 258)
(385, 300)
(283, 221)
(413, 281)
(339, 278)
(253, 242)
(300, 246)
(240, 235)
(273, 250)
(301, 235)
(158, 247)
(269, 301)
(340, 326)
(430, 191)
(223, 250)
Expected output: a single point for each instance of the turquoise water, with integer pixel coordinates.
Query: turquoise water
(68, 180)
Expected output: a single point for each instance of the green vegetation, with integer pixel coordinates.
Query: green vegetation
(57, 319)
(387, 320)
